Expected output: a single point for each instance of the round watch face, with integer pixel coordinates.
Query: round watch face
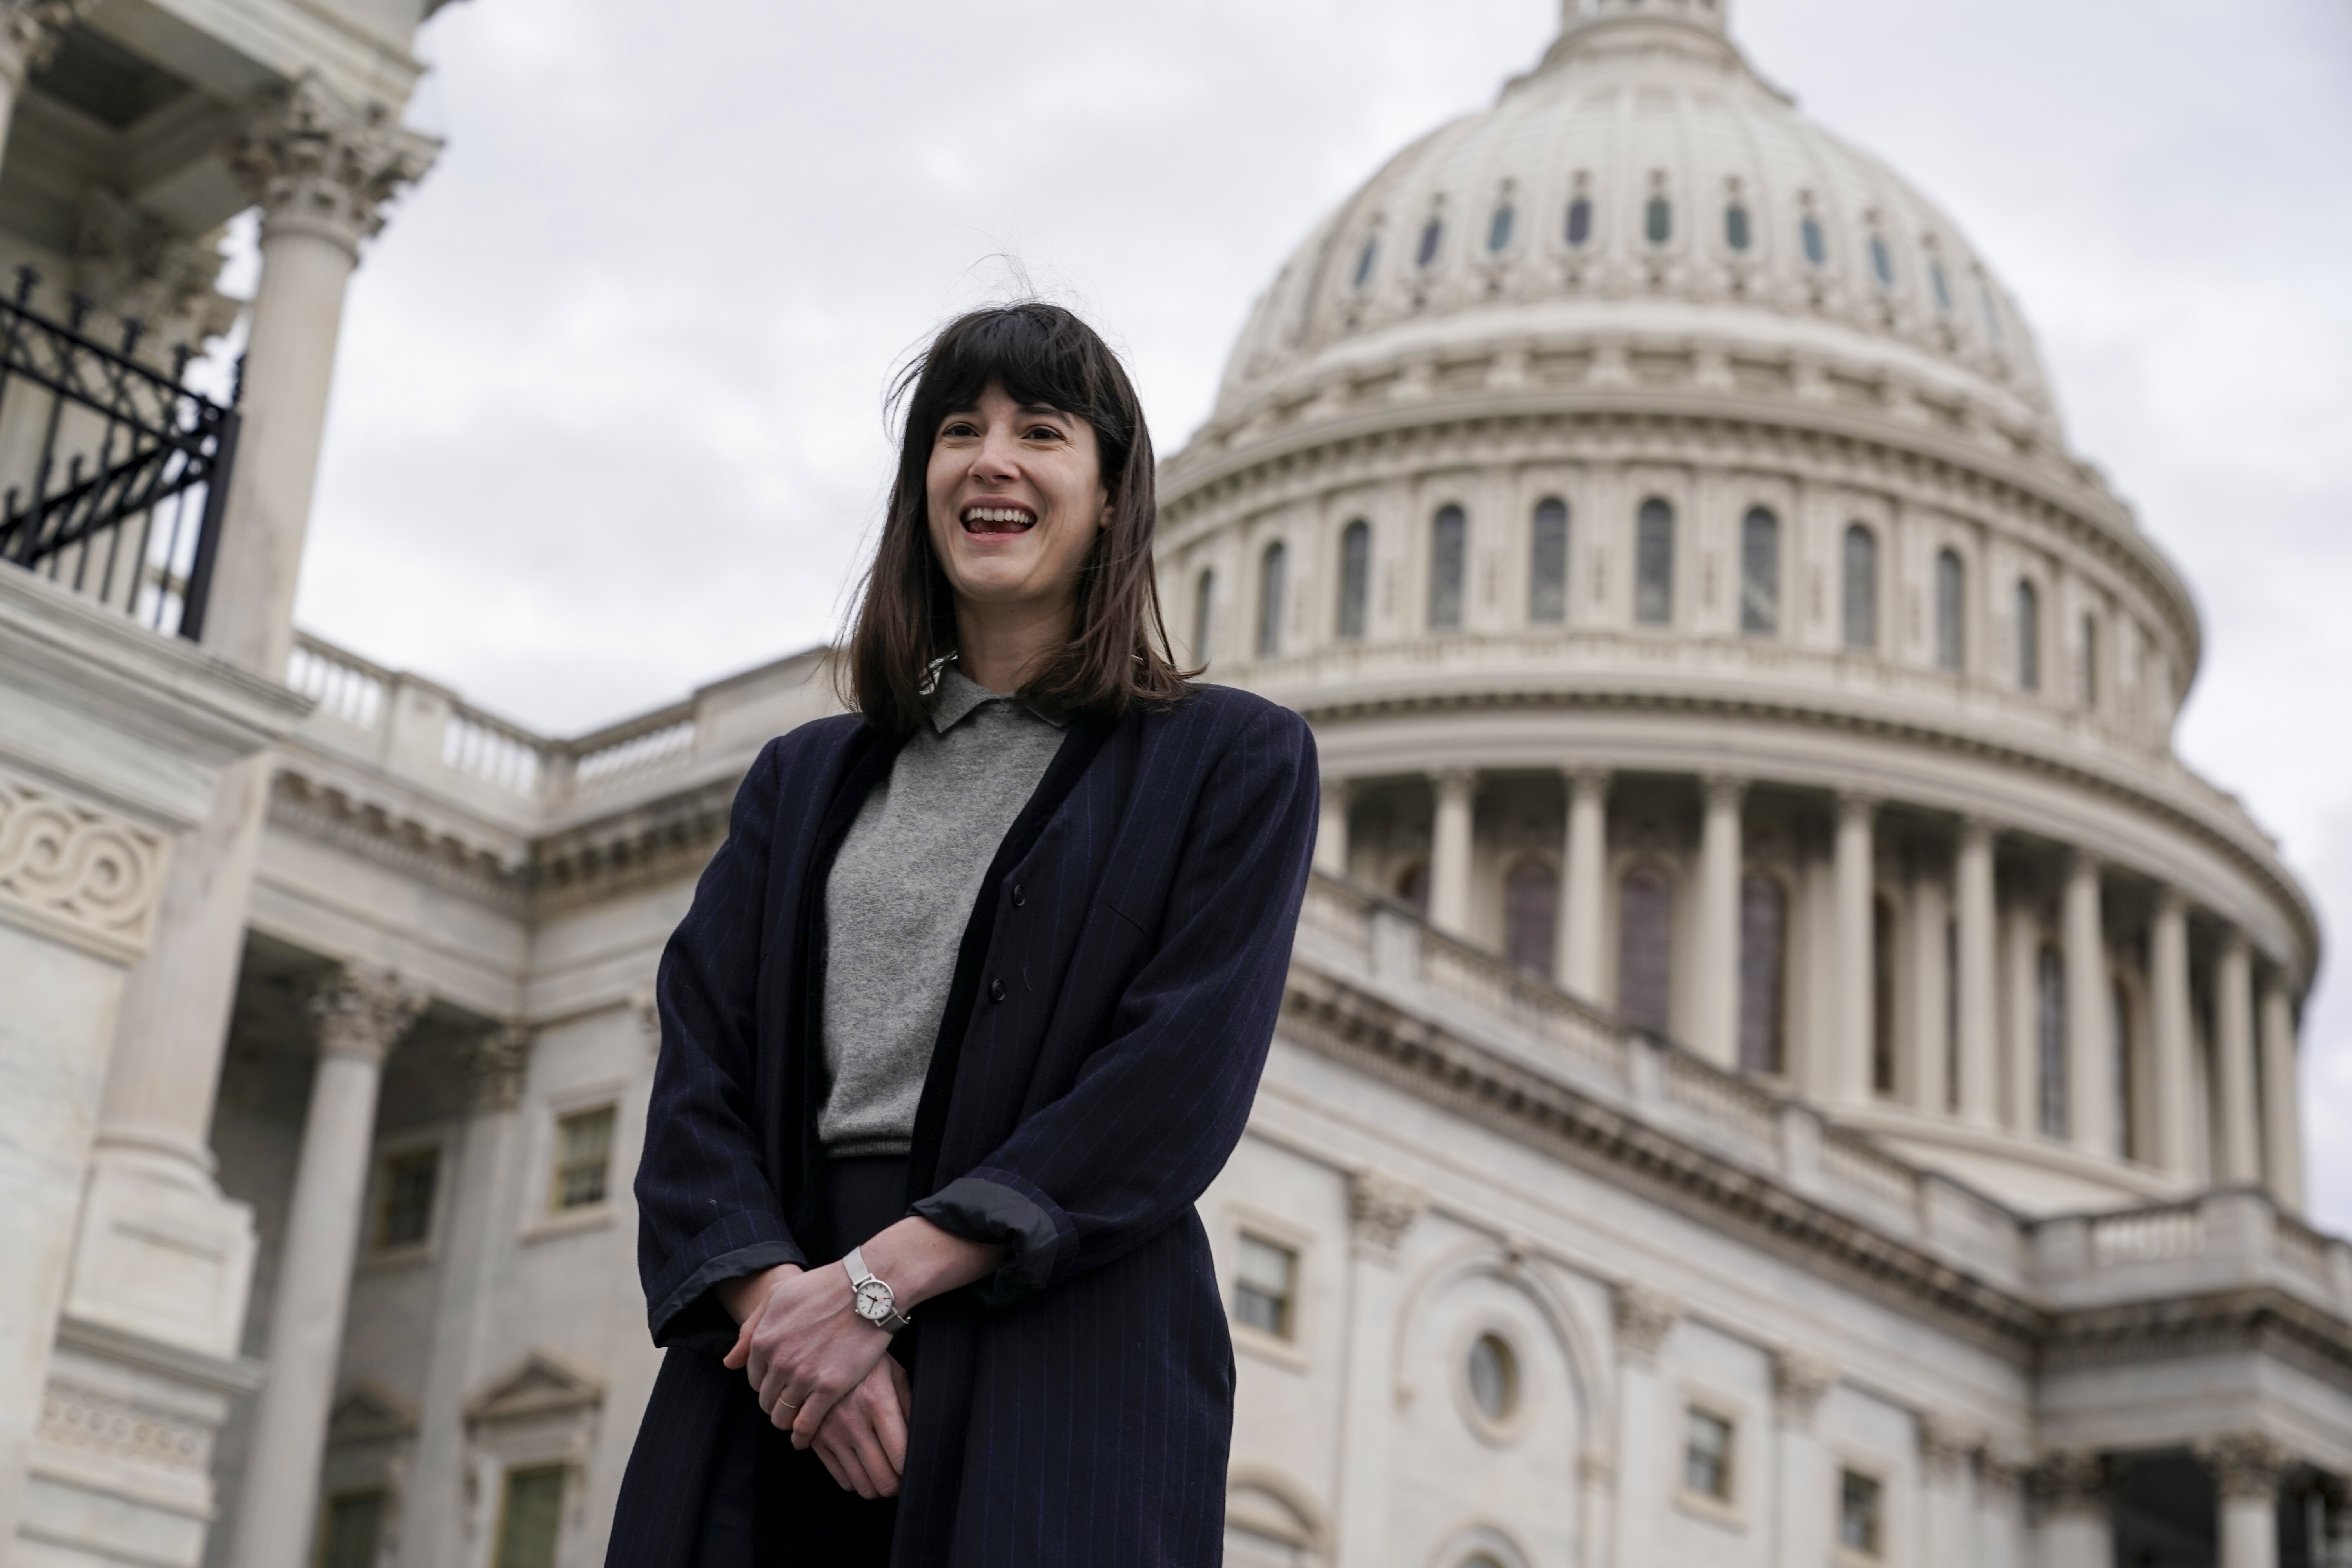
(874, 1301)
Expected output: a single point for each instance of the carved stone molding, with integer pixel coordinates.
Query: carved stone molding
(317, 162)
(112, 1428)
(1800, 1382)
(1645, 1316)
(66, 864)
(500, 1060)
(140, 267)
(2246, 1464)
(362, 1012)
(2072, 1481)
(1945, 1447)
(30, 31)
(1382, 1208)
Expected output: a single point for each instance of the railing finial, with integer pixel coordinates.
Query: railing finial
(27, 281)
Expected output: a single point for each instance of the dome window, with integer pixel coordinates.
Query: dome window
(1991, 315)
(1817, 250)
(1760, 573)
(1204, 601)
(1449, 550)
(1861, 572)
(1882, 262)
(1355, 579)
(1935, 280)
(2029, 637)
(1658, 220)
(1272, 592)
(1654, 563)
(1498, 227)
(1429, 238)
(1547, 563)
(1735, 226)
(1579, 221)
(1365, 259)
(1951, 609)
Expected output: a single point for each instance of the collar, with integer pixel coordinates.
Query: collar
(958, 694)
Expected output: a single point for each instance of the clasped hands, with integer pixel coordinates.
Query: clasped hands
(822, 1372)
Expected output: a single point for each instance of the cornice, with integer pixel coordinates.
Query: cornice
(2259, 1319)
(656, 841)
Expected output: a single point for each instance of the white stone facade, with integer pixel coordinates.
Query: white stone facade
(1781, 1066)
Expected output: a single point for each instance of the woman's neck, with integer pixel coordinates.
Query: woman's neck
(1002, 647)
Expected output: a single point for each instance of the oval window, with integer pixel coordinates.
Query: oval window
(1364, 260)
(1493, 1375)
(1658, 221)
(1498, 228)
(1579, 221)
(1430, 237)
(1734, 227)
(1817, 250)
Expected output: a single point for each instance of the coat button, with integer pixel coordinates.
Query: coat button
(1020, 895)
(996, 990)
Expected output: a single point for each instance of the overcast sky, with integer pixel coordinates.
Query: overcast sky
(607, 421)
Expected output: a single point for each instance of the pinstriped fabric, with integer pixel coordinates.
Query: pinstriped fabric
(1076, 1409)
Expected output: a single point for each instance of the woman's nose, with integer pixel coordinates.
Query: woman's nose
(999, 455)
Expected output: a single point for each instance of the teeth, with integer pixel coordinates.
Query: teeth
(996, 514)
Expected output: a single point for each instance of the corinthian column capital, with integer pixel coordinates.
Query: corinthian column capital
(30, 31)
(319, 163)
(362, 1011)
(2246, 1464)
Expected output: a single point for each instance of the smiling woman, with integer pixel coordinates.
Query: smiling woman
(968, 1010)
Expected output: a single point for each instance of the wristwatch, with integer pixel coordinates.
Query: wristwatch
(872, 1298)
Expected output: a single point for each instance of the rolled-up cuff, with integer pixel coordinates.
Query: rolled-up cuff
(999, 1209)
(689, 1315)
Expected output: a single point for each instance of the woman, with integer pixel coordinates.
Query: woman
(968, 1011)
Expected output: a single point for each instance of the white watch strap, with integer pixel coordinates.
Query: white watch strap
(854, 1262)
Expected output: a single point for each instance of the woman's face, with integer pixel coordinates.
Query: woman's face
(1016, 498)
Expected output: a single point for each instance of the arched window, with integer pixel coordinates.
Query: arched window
(2119, 1034)
(1449, 550)
(1431, 236)
(1951, 609)
(1760, 573)
(1364, 260)
(1763, 968)
(1654, 563)
(1943, 288)
(1547, 563)
(1882, 262)
(1882, 996)
(1204, 603)
(1860, 565)
(1735, 226)
(1579, 221)
(1817, 250)
(1498, 227)
(1646, 911)
(1272, 585)
(2090, 662)
(2050, 1038)
(1355, 577)
(1658, 220)
(2029, 637)
(1531, 915)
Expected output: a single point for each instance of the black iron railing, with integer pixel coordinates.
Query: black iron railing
(113, 475)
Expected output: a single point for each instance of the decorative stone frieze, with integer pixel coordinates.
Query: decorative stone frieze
(2075, 1480)
(362, 1012)
(1381, 1209)
(30, 32)
(2246, 1464)
(1800, 1382)
(74, 871)
(1645, 1316)
(121, 1429)
(1946, 1446)
(141, 268)
(318, 162)
(500, 1060)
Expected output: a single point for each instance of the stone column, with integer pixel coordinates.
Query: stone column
(360, 1014)
(1978, 1035)
(1948, 1512)
(2238, 1161)
(1381, 1208)
(1331, 832)
(1856, 975)
(2281, 1102)
(1585, 902)
(2174, 1049)
(1456, 793)
(1931, 994)
(2090, 1048)
(1717, 1035)
(30, 33)
(2074, 1523)
(2000, 1511)
(2247, 1470)
(1644, 1466)
(1802, 1527)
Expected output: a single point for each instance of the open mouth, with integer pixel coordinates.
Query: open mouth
(998, 519)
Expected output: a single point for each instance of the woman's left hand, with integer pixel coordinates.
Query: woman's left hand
(803, 1348)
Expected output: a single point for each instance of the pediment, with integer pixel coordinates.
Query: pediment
(370, 1413)
(541, 1386)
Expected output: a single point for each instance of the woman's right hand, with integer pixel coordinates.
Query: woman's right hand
(864, 1439)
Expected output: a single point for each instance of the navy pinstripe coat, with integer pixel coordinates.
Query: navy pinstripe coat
(1114, 996)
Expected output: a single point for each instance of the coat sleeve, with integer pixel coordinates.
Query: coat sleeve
(1157, 1109)
(706, 1209)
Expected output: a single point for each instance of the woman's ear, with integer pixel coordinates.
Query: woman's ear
(1110, 501)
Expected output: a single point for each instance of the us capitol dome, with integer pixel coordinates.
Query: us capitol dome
(1659, 509)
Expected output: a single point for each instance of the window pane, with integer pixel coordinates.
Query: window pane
(583, 1159)
(1430, 238)
(2029, 638)
(1734, 227)
(1531, 915)
(1706, 1455)
(1498, 228)
(1448, 544)
(1951, 643)
(1645, 948)
(1943, 288)
(1763, 947)
(2050, 1021)
(1882, 997)
(1653, 564)
(1817, 250)
(1992, 311)
(1579, 221)
(2090, 662)
(1861, 587)
(1263, 1273)
(1547, 564)
(406, 1216)
(1270, 591)
(530, 1518)
(1859, 1527)
(1493, 1376)
(1658, 220)
(1882, 262)
(353, 1530)
(1760, 573)
(1364, 260)
(1204, 599)
(2119, 1035)
(1355, 577)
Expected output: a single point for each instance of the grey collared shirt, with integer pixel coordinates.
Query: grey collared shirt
(901, 892)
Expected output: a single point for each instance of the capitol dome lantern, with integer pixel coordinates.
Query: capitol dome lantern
(1659, 509)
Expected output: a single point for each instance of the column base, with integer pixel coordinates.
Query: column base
(162, 1256)
(122, 1463)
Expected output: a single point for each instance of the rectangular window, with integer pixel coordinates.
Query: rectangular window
(1706, 1455)
(1265, 1277)
(583, 1159)
(350, 1530)
(404, 1215)
(529, 1518)
(1861, 1502)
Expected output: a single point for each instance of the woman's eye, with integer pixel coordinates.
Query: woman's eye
(1044, 433)
(958, 427)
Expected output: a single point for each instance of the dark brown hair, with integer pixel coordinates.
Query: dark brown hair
(1118, 655)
